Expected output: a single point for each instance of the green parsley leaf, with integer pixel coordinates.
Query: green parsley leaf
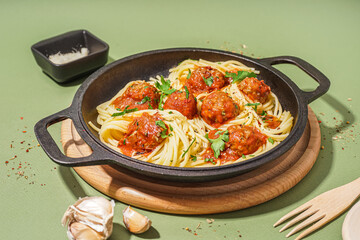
(162, 96)
(165, 86)
(187, 92)
(209, 81)
(144, 100)
(263, 113)
(239, 76)
(271, 140)
(126, 110)
(146, 87)
(189, 74)
(161, 124)
(150, 107)
(171, 112)
(171, 128)
(210, 160)
(218, 144)
(254, 105)
(188, 147)
(243, 156)
(193, 158)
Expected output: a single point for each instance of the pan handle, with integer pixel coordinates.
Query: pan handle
(51, 149)
(313, 72)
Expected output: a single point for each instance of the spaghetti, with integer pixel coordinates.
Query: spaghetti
(203, 114)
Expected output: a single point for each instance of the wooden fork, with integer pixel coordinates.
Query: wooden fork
(321, 209)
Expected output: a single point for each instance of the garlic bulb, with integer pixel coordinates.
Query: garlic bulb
(89, 218)
(134, 221)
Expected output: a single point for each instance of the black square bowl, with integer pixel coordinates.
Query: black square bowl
(67, 43)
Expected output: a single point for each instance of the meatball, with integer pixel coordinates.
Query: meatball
(217, 108)
(226, 154)
(215, 80)
(242, 140)
(143, 135)
(140, 95)
(245, 140)
(255, 89)
(179, 102)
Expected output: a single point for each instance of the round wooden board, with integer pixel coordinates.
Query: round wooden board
(246, 190)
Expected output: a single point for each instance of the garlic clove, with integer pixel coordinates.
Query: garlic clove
(135, 222)
(79, 231)
(94, 212)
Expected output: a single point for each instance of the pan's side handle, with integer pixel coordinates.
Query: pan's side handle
(313, 72)
(51, 149)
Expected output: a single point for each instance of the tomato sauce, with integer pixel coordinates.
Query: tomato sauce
(271, 121)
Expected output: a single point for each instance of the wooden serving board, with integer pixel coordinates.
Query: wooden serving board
(246, 190)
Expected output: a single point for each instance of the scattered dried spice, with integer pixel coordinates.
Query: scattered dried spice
(16, 166)
(343, 133)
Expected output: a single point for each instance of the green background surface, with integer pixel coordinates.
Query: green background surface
(324, 33)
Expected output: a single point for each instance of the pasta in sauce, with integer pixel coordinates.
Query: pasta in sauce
(203, 114)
